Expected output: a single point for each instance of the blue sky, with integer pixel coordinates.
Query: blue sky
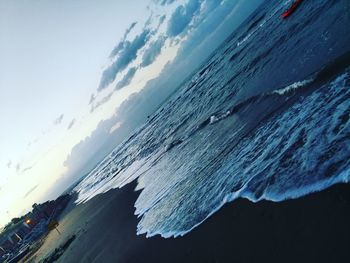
(73, 75)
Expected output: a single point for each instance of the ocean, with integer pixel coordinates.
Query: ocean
(265, 117)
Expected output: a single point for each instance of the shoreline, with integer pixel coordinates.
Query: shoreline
(313, 228)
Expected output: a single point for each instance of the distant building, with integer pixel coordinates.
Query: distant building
(10, 237)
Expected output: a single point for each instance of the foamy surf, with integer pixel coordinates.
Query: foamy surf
(293, 87)
(229, 133)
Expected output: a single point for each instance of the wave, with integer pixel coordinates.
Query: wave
(316, 80)
(173, 144)
(300, 151)
(253, 102)
(293, 87)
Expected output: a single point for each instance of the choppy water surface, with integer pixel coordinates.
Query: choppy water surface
(266, 117)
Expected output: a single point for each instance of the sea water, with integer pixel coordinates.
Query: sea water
(265, 117)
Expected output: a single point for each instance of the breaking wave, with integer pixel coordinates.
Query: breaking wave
(305, 149)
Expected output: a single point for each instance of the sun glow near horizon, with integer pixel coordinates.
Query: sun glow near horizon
(46, 165)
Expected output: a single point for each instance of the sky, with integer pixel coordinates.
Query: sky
(78, 76)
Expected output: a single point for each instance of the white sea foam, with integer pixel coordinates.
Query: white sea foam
(293, 87)
(214, 118)
(253, 162)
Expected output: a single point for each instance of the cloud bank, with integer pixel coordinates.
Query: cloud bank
(126, 79)
(59, 119)
(102, 101)
(92, 99)
(182, 17)
(126, 51)
(152, 52)
(71, 124)
(31, 191)
(126, 55)
(166, 2)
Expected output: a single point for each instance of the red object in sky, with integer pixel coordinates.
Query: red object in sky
(291, 9)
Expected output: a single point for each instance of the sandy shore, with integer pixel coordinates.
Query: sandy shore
(314, 228)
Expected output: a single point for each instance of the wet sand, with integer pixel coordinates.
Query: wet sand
(315, 228)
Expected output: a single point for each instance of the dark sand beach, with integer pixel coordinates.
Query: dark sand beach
(314, 228)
